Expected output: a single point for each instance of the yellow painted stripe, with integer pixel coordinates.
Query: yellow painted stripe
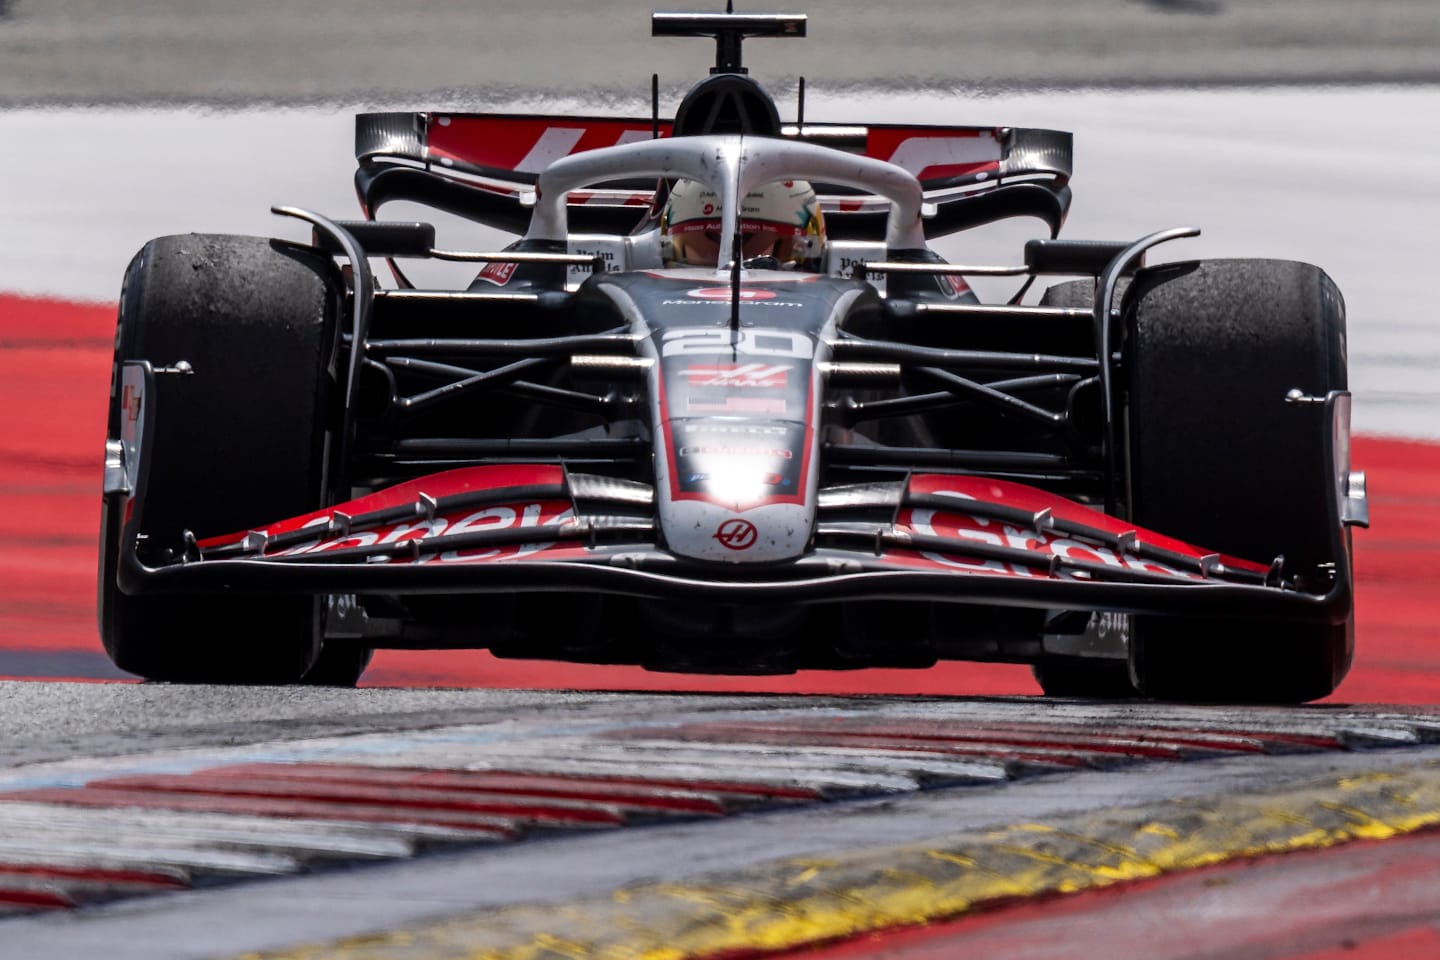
(790, 903)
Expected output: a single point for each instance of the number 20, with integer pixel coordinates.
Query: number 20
(750, 343)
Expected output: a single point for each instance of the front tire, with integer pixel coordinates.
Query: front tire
(1219, 458)
(237, 443)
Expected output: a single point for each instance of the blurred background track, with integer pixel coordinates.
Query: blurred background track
(70, 51)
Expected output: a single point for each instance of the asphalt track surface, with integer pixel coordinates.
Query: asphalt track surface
(1361, 156)
(815, 830)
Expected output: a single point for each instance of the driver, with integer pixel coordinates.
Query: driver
(780, 221)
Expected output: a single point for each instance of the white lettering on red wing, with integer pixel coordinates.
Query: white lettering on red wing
(930, 522)
(501, 517)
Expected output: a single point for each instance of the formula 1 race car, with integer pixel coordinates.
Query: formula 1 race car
(671, 426)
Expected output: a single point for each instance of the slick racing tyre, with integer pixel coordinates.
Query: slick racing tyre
(1217, 457)
(238, 441)
(1078, 293)
(1071, 293)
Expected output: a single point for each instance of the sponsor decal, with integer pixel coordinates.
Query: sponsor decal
(772, 406)
(740, 466)
(1106, 625)
(502, 517)
(731, 450)
(748, 429)
(964, 526)
(607, 256)
(528, 144)
(768, 479)
(930, 156)
(737, 375)
(498, 273)
(130, 403)
(746, 302)
(723, 293)
(737, 534)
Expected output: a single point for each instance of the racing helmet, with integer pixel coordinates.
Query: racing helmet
(780, 220)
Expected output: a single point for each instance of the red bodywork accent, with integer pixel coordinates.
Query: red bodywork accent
(448, 483)
(522, 512)
(503, 142)
(506, 142)
(958, 523)
(498, 273)
(925, 151)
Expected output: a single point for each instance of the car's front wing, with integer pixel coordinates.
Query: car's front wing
(540, 527)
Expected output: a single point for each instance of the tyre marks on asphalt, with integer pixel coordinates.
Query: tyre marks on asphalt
(76, 832)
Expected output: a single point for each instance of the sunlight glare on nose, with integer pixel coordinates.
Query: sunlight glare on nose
(733, 480)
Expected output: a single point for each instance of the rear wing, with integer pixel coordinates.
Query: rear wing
(484, 167)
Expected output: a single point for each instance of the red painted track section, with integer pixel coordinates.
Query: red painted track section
(54, 370)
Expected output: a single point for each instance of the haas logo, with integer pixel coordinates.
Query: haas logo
(737, 534)
(737, 375)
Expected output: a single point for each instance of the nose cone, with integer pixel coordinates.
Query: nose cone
(736, 489)
(707, 531)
